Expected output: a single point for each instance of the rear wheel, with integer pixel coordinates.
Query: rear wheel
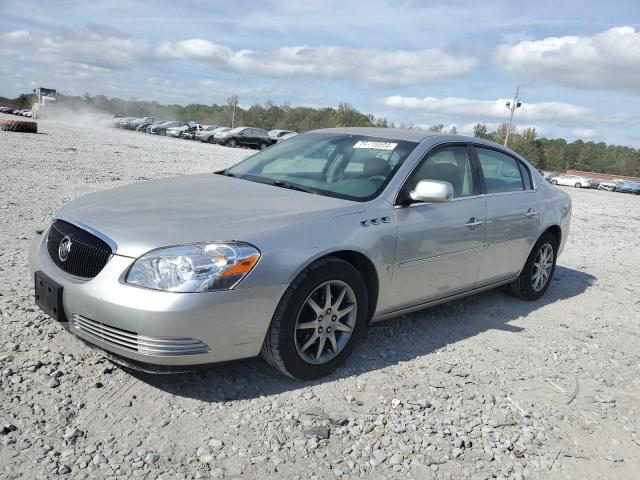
(554, 182)
(319, 320)
(538, 271)
(263, 145)
(578, 185)
(211, 139)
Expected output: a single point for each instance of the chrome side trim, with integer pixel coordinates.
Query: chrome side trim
(435, 258)
(439, 301)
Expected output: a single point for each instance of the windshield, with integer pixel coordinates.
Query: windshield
(340, 165)
(237, 130)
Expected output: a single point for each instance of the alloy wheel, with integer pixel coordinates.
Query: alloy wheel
(542, 267)
(325, 322)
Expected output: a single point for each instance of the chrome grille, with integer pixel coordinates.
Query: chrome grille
(88, 254)
(152, 346)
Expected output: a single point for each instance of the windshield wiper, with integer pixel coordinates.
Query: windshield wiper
(292, 186)
(226, 173)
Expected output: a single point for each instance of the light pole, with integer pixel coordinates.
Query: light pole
(512, 105)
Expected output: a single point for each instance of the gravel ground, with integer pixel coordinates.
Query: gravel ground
(486, 387)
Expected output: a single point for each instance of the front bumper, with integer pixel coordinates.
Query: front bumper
(160, 328)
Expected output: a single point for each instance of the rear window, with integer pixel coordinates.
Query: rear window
(501, 172)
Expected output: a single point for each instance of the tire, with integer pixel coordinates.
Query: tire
(524, 287)
(211, 139)
(553, 182)
(18, 126)
(263, 145)
(578, 185)
(231, 143)
(282, 344)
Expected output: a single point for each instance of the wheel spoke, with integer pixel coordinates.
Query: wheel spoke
(343, 327)
(338, 302)
(327, 296)
(307, 325)
(310, 342)
(344, 312)
(334, 345)
(320, 347)
(314, 306)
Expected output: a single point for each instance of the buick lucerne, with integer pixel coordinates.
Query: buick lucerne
(292, 253)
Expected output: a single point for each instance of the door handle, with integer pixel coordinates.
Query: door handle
(473, 223)
(531, 213)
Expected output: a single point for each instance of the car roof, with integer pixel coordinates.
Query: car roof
(412, 135)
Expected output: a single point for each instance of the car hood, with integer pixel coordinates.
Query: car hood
(197, 208)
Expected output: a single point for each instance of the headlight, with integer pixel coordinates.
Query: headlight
(201, 267)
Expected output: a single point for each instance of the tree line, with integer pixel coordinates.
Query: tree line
(555, 154)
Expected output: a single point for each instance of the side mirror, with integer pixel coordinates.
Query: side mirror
(432, 191)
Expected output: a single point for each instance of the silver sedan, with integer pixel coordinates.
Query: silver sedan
(293, 252)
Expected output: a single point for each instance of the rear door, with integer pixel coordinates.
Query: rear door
(512, 214)
(439, 245)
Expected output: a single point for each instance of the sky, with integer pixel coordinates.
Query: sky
(415, 62)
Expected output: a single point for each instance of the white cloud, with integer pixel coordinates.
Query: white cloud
(583, 132)
(368, 66)
(484, 110)
(13, 36)
(91, 48)
(610, 59)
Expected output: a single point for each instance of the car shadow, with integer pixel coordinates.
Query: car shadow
(386, 343)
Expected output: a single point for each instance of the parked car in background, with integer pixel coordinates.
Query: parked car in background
(124, 122)
(176, 131)
(115, 121)
(608, 185)
(294, 251)
(134, 124)
(193, 130)
(280, 135)
(571, 181)
(246, 137)
(142, 127)
(629, 187)
(161, 128)
(209, 135)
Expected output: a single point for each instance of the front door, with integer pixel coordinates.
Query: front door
(512, 215)
(439, 245)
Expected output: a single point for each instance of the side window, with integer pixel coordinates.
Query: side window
(501, 172)
(526, 176)
(448, 164)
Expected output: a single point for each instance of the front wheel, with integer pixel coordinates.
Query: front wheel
(538, 271)
(232, 143)
(578, 185)
(263, 145)
(211, 139)
(319, 320)
(554, 182)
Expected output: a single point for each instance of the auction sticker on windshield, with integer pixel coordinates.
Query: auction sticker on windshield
(375, 145)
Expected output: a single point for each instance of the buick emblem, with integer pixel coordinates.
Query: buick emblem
(64, 249)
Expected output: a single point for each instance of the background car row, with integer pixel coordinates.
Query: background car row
(15, 111)
(249, 137)
(618, 185)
